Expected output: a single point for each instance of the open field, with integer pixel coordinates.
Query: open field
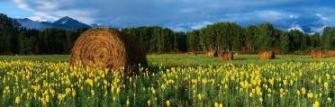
(183, 59)
(172, 80)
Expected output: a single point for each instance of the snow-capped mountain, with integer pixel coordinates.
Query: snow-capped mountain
(296, 27)
(69, 23)
(306, 26)
(63, 23)
(30, 24)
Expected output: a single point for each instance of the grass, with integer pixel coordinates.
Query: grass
(287, 81)
(184, 60)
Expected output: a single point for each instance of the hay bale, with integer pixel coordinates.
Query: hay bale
(266, 55)
(226, 56)
(212, 53)
(330, 53)
(316, 54)
(107, 48)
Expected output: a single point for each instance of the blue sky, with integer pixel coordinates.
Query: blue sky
(179, 15)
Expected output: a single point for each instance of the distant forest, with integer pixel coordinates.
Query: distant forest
(223, 36)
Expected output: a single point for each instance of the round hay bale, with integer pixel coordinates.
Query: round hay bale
(226, 56)
(330, 53)
(316, 54)
(107, 48)
(212, 53)
(266, 55)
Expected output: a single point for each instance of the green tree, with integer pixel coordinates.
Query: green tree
(264, 39)
(328, 38)
(250, 38)
(8, 35)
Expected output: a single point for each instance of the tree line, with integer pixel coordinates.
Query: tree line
(228, 36)
(18, 40)
(223, 36)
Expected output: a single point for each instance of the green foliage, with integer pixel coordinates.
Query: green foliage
(8, 34)
(193, 40)
(156, 39)
(328, 38)
(222, 36)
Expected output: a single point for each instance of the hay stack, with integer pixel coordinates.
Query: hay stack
(108, 48)
(226, 56)
(266, 55)
(330, 53)
(316, 54)
(212, 53)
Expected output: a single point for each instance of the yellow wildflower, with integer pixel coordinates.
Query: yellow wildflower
(200, 96)
(168, 103)
(310, 95)
(89, 82)
(17, 100)
(149, 103)
(303, 91)
(216, 104)
(326, 85)
(316, 104)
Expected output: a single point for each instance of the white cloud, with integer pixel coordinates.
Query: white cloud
(271, 16)
(52, 10)
(322, 17)
(143, 12)
(318, 29)
(37, 18)
(189, 26)
(180, 14)
(294, 16)
(21, 4)
(200, 25)
(326, 16)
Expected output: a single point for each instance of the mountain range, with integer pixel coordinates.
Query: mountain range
(63, 23)
(71, 24)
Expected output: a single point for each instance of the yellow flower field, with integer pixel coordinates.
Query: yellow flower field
(38, 83)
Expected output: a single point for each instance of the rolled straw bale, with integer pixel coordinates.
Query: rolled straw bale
(107, 48)
(266, 55)
(226, 56)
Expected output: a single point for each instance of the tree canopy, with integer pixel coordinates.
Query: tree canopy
(222, 36)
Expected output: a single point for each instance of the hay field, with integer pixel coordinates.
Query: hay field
(172, 80)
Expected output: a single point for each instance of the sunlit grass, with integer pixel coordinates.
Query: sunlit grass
(172, 80)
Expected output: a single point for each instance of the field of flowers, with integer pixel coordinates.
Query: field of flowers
(287, 84)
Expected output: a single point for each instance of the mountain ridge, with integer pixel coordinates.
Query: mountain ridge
(62, 23)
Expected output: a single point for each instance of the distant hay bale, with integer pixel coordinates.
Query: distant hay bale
(107, 48)
(212, 53)
(226, 56)
(316, 54)
(330, 53)
(266, 55)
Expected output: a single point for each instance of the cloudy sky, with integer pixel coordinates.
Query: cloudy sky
(178, 14)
